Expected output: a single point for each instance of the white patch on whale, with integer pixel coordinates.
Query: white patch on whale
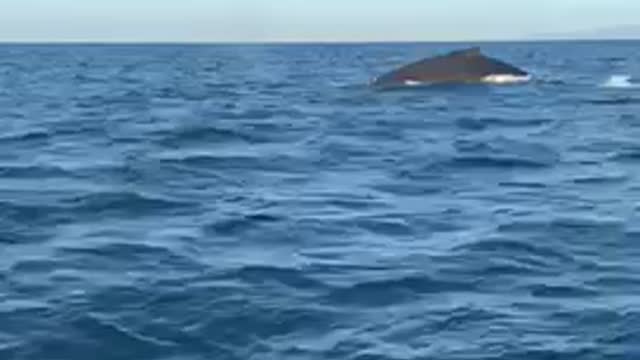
(505, 78)
(412, 83)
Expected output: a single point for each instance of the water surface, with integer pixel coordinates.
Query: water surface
(261, 202)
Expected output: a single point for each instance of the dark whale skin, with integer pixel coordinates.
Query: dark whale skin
(462, 66)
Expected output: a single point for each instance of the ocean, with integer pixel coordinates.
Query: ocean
(250, 202)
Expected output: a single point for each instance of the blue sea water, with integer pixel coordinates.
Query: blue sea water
(262, 202)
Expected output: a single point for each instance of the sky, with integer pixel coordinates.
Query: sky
(304, 20)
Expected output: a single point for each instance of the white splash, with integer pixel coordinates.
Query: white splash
(412, 83)
(505, 79)
(620, 81)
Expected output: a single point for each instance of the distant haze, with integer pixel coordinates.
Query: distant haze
(616, 32)
(309, 20)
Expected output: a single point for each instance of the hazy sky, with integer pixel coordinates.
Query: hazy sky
(303, 20)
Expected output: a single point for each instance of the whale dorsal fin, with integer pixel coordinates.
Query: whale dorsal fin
(469, 52)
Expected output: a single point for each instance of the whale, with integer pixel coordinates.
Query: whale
(463, 66)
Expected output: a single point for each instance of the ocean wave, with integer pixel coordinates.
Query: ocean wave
(26, 213)
(33, 265)
(209, 135)
(125, 204)
(560, 224)
(34, 171)
(408, 188)
(215, 161)
(248, 331)
(289, 277)
(615, 282)
(459, 318)
(622, 100)
(562, 291)
(504, 248)
(123, 340)
(497, 161)
(396, 290)
(601, 179)
(551, 80)
(234, 225)
(502, 153)
(134, 254)
(517, 122)
(383, 225)
(523, 184)
(626, 154)
(31, 135)
(620, 82)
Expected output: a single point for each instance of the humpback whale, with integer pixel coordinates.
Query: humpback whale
(461, 66)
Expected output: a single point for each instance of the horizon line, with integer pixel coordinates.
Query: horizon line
(309, 42)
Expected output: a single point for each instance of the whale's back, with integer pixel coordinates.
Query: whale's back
(459, 66)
